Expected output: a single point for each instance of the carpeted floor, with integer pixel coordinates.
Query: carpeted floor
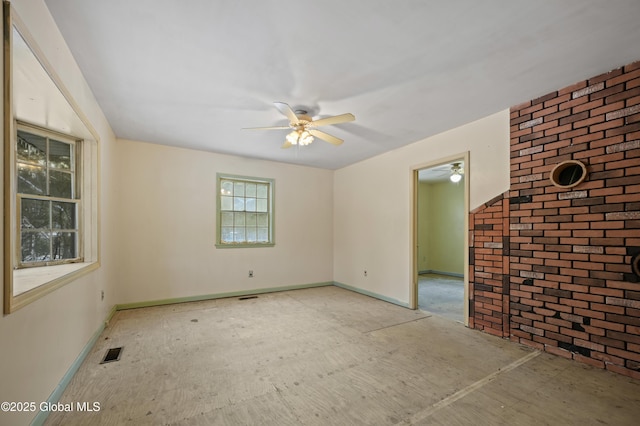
(442, 295)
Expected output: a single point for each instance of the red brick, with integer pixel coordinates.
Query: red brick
(589, 361)
(624, 371)
(570, 243)
(558, 351)
(623, 354)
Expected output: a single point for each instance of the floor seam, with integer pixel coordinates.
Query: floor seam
(395, 325)
(422, 415)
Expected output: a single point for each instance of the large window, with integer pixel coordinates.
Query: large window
(51, 175)
(47, 198)
(245, 211)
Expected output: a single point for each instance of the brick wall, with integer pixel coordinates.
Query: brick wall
(489, 267)
(571, 288)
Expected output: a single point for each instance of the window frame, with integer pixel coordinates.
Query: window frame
(76, 195)
(270, 210)
(23, 286)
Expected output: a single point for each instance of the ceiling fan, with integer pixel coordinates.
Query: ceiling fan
(304, 126)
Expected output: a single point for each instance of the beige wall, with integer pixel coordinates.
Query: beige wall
(372, 202)
(39, 342)
(166, 225)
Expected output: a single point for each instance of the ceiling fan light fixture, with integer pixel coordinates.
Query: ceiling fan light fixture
(299, 137)
(305, 138)
(299, 121)
(292, 137)
(456, 173)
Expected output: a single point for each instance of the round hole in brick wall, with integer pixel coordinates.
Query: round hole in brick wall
(635, 265)
(568, 174)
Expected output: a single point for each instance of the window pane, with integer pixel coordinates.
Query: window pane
(238, 219)
(226, 235)
(263, 235)
(227, 219)
(32, 179)
(250, 190)
(262, 191)
(226, 187)
(239, 235)
(45, 170)
(226, 203)
(263, 219)
(238, 189)
(64, 245)
(31, 148)
(63, 215)
(61, 184)
(245, 216)
(251, 219)
(59, 155)
(238, 204)
(34, 214)
(35, 246)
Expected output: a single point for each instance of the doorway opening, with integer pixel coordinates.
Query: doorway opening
(441, 254)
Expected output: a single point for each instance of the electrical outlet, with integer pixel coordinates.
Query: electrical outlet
(250, 274)
(102, 295)
(365, 272)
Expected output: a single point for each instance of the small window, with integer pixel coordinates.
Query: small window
(245, 212)
(48, 201)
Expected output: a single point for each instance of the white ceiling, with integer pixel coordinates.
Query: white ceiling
(194, 73)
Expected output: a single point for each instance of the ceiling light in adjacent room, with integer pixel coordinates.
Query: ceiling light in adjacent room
(456, 173)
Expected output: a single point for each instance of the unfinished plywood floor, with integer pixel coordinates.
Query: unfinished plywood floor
(328, 356)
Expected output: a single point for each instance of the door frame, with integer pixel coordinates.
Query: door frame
(413, 302)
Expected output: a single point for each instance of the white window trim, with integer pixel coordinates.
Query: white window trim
(32, 282)
(45, 279)
(271, 210)
(76, 198)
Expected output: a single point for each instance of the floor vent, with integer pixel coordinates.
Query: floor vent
(112, 355)
(248, 297)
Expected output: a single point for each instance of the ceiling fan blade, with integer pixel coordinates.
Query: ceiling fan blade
(342, 118)
(267, 128)
(325, 137)
(286, 110)
(286, 144)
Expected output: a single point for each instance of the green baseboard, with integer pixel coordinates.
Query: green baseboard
(371, 294)
(450, 274)
(40, 418)
(175, 300)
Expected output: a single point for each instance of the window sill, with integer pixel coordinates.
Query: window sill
(219, 245)
(28, 279)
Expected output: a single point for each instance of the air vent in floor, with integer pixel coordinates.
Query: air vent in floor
(112, 355)
(248, 297)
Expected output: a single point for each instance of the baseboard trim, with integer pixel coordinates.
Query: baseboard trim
(172, 301)
(450, 274)
(371, 294)
(41, 417)
(112, 312)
